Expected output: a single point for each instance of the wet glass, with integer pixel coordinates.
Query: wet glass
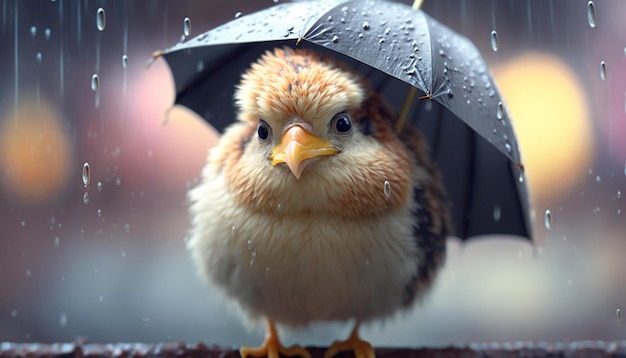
(96, 163)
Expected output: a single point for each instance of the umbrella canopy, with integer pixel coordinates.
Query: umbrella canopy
(457, 105)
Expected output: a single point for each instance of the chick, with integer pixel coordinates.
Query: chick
(311, 208)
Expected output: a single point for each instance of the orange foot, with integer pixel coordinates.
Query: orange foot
(271, 347)
(361, 348)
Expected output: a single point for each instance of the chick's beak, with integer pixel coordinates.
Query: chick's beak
(297, 146)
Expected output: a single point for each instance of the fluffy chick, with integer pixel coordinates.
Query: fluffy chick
(311, 207)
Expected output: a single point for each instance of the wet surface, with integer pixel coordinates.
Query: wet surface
(516, 349)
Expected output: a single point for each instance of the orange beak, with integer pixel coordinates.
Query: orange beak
(297, 146)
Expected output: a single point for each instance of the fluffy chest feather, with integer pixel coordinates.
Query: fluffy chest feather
(298, 268)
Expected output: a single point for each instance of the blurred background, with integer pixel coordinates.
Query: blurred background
(107, 261)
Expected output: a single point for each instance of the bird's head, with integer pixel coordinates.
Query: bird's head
(311, 133)
(302, 103)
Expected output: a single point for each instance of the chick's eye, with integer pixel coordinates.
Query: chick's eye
(341, 123)
(263, 131)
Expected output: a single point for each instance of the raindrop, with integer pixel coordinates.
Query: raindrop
(123, 253)
(101, 19)
(33, 32)
(47, 33)
(86, 174)
(252, 258)
(14, 313)
(99, 186)
(127, 227)
(387, 189)
(249, 244)
(39, 57)
(368, 265)
(598, 179)
(28, 273)
(57, 241)
(508, 147)
(547, 219)
(23, 223)
(366, 26)
(591, 14)
(187, 27)
(603, 70)
(101, 299)
(618, 195)
(63, 319)
(233, 231)
(118, 181)
(99, 213)
(267, 272)
(497, 213)
(521, 177)
(86, 198)
(124, 61)
(618, 313)
(335, 39)
(500, 110)
(95, 82)
(494, 40)
(238, 14)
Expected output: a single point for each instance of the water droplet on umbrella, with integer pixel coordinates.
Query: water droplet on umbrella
(497, 213)
(57, 241)
(99, 186)
(39, 57)
(618, 313)
(508, 147)
(494, 40)
(252, 258)
(618, 195)
(591, 14)
(547, 219)
(95, 82)
(249, 244)
(366, 26)
(86, 174)
(238, 14)
(187, 27)
(603, 70)
(47, 33)
(335, 39)
(86, 198)
(233, 231)
(521, 177)
(101, 19)
(33, 32)
(124, 61)
(500, 110)
(387, 189)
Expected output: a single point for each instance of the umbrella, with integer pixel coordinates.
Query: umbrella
(456, 104)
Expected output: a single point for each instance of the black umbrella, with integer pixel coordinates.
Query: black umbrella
(456, 105)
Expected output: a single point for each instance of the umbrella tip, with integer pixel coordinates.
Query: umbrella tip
(155, 56)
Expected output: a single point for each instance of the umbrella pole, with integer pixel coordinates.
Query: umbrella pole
(412, 91)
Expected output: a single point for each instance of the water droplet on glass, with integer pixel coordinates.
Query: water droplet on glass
(366, 26)
(124, 61)
(95, 82)
(99, 186)
(603, 70)
(387, 189)
(57, 241)
(238, 14)
(249, 244)
(591, 14)
(335, 39)
(618, 313)
(497, 214)
(86, 198)
(33, 31)
(86, 174)
(63, 319)
(494, 40)
(547, 219)
(101, 19)
(500, 110)
(187, 27)
(127, 227)
(47, 33)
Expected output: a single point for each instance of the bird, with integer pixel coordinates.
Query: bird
(312, 208)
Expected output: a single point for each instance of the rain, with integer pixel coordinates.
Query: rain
(82, 141)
